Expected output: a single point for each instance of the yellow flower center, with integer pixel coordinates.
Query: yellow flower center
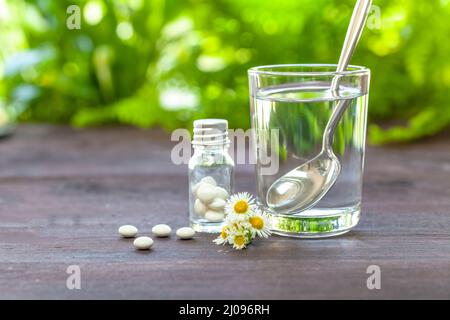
(239, 240)
(224, 233)
(241, 206)
(257, 222)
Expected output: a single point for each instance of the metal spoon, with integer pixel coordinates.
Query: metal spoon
(305, 185)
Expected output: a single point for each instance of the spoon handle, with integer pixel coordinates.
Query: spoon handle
(354, 31)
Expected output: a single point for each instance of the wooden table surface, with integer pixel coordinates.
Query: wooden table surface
(64, 193)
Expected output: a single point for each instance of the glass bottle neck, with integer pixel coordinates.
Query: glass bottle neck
(221, 148)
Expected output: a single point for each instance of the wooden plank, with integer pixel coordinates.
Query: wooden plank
(64, 192)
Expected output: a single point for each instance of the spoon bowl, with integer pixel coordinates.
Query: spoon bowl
(305, 185)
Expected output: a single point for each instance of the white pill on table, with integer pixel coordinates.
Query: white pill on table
(220, 192)
(199, 207)
(143, 243)
(185, 233)
(206, 192)
(210, 180)
(128, 231)
(162, 230)
(214, 216)
(217, 204)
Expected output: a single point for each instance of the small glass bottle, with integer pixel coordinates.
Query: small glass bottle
(211, 175)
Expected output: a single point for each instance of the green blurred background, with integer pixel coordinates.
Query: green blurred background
(165, 62)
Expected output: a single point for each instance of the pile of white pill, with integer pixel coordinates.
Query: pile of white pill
(210, 199)
(160, 231)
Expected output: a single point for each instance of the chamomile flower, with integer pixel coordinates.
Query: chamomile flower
(223, 237)
(233, 224)
(243, 222)
(240, 205)
(259, 223)
(239, 239)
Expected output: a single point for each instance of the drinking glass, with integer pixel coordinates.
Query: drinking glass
(290, 106)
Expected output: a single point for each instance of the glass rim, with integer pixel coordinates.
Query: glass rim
(271, 70)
